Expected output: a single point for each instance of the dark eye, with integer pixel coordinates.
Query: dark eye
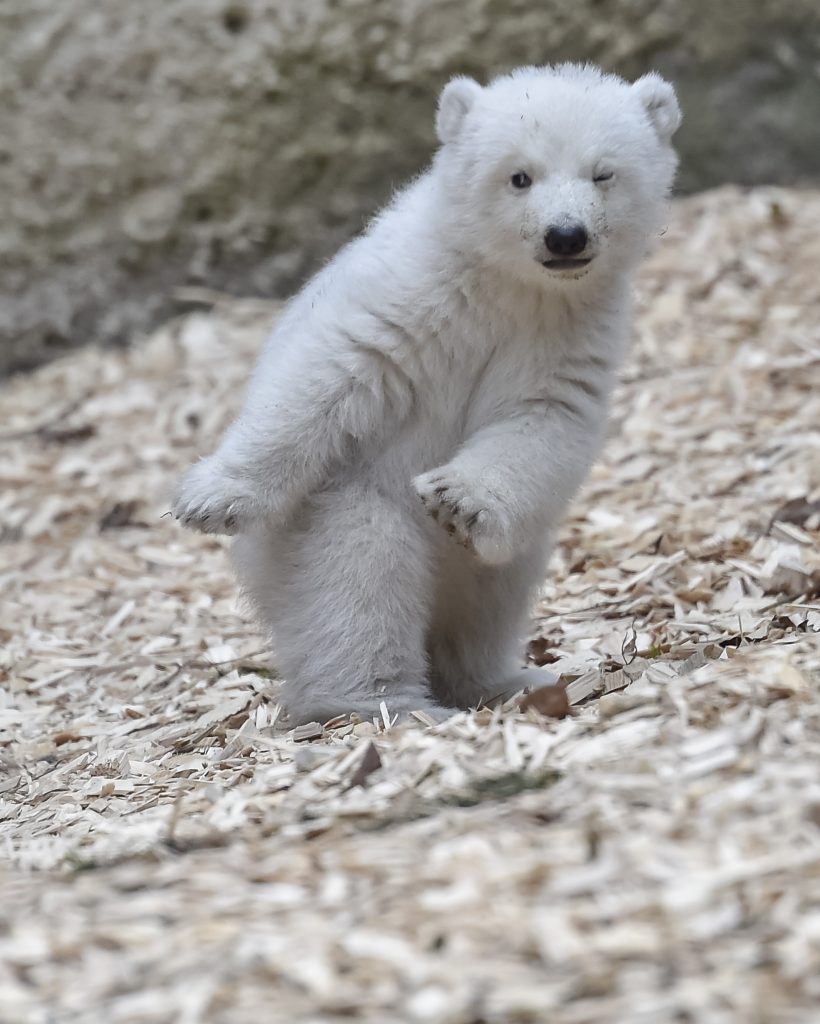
(521, 180)
(604, 176)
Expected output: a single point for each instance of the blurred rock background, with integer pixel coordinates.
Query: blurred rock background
(234, 144)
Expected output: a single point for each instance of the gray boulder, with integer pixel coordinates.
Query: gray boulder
(236, 143)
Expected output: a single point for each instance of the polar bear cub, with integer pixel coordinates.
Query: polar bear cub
(429, 403)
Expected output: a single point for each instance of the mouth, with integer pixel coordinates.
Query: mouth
(575, 263)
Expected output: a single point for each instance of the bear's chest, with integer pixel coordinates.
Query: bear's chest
(480, 375)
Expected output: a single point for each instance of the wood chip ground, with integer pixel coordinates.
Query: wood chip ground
(169, 854)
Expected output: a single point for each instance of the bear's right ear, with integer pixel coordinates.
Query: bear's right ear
(456, 99)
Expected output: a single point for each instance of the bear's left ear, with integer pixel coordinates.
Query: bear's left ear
(661, 104)
(456, 99)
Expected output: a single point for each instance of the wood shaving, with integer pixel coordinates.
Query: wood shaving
(170, 854)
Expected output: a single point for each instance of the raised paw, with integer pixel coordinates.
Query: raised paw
(210, 500)
(468, 513)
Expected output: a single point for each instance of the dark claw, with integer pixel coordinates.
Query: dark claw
(451, 529)
(472, 520)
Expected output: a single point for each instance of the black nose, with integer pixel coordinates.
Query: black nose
(568, 241)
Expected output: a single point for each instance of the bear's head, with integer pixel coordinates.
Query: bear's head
(556, 174)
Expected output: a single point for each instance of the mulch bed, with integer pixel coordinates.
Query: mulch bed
(170, 853)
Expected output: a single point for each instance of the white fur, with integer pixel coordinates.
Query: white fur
(430, 402)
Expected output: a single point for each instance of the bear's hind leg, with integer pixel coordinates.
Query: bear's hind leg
(347, 595)
(476, 642)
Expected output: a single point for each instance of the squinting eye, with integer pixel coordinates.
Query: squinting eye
(604, 176)
(521, 180)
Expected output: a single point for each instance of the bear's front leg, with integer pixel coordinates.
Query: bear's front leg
(294, 431)
(256, 473)
(512, 480)
(472, 515)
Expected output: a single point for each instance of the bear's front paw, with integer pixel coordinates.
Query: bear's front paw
(210, 500)
(469, 513)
